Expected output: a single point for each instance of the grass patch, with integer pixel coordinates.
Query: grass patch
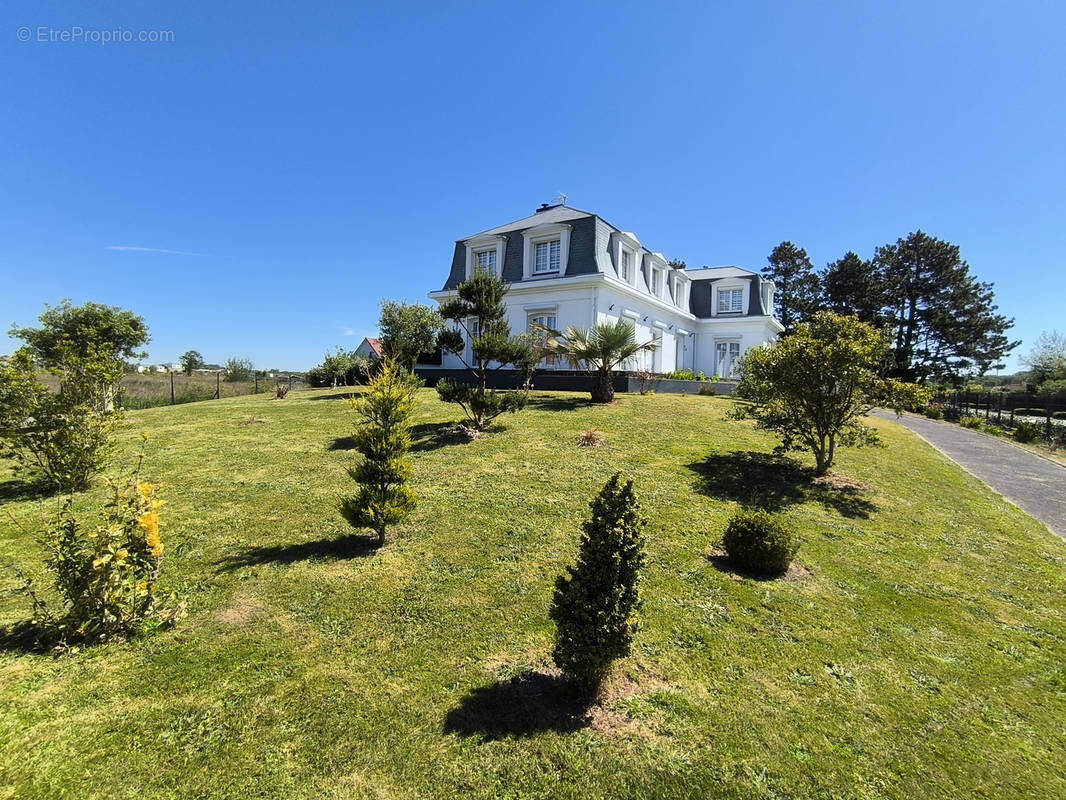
(919, 653)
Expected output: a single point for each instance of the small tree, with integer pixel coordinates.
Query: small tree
(191, 360)
(599, 349)
(813, 387)
(1047, 359)
(478, 316)
(408, 330)
(337, 365)
(593, 604)
(386, 408)
(86, 347)
(63, 438)
(239, 369)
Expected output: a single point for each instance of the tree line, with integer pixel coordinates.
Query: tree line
(943, 322)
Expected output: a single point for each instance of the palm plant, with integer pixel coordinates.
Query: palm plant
(599, 349)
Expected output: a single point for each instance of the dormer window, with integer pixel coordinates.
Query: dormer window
(546, 256)
(627, 266)
(730, 301)
(486, 260)
(546, 250)
(657, 282)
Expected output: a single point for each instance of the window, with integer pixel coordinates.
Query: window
(546, 256)
(485, 260)
(543, 321)
(656, 282)
(730, 301)
(625, 266)
(728, 359)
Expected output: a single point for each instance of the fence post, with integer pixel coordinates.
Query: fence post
(172, 387)
(999, 408)
(218, 384)
(290, 381)
(257, 383)
(988, 405)
(1047, 415)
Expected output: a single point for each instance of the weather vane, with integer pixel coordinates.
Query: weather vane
(560, 199)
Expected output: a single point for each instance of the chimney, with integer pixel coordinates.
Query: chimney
(543, 207)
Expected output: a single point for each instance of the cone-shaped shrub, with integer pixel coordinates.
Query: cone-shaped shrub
(384, 438)
(594, 603)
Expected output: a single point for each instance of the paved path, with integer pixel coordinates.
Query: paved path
(1036, 485)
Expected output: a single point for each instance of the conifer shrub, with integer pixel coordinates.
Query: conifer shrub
(594, 602)
(386, 408)
(760, 542)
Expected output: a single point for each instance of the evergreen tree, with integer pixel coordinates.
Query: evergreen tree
(853, 286)
(797, 287)
(384, 439)
(479, 316)
(943, 320)
(593, 604)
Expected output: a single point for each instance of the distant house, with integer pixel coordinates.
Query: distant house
(370, 348)
(568, 267)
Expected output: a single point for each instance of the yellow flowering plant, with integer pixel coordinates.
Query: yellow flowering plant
(106, 571)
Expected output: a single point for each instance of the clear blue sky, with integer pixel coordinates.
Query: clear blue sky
(303, 161)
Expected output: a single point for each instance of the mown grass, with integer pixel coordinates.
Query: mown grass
(920, 652)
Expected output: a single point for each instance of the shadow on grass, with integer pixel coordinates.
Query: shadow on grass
(723, 563)
(342, 443)
(542, 403)
(329, 549)
(17, 490)
(773, 483)
(524, 705)
(25, 637)
(434, 435)
(339, 395)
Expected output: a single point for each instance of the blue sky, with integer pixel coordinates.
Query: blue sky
(286, 166)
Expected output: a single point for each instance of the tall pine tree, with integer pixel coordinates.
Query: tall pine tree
(852, 286)
(943, 320)
(797, 287)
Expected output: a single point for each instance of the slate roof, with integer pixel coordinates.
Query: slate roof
(550, 215)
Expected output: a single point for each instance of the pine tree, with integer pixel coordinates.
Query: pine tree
(479, 316)
(593, 605)
(943, 320)
(853, 286)
(383, 439)
(797, 287)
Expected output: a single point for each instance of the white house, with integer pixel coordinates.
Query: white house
(569, 267)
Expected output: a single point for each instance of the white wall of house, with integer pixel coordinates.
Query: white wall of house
(711, 346)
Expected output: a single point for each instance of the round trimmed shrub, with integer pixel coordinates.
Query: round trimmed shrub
(760, 542)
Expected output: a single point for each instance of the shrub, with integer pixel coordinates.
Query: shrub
(590, 438)
(281, 391)
(681, 375)
(760, 542)
(707, 390)
(973, 423)
(106, 573)
(1027, 432)
(593, 604)
(933, 411)
(644, 380)
(63, 438)
(386, 408)
(239, 369)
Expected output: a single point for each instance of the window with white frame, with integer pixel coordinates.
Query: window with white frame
(485, 260)
(627, 259)
(657, 282)
(730, 301)
(728, 358)
(546, 256)
(539, 324)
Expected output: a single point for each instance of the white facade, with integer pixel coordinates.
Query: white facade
(570, 270)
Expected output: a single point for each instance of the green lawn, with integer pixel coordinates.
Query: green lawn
(919, 652)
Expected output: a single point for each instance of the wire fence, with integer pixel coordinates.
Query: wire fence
(167, 389)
